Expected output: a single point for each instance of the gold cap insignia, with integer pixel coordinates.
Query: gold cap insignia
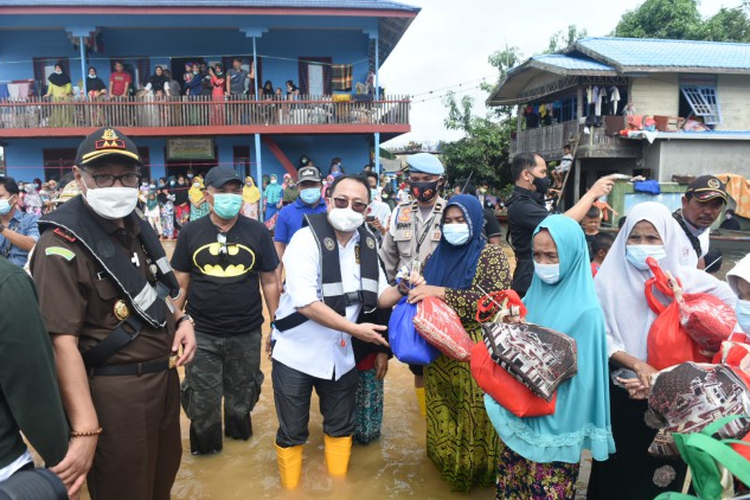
(714, 183)
(121, 310)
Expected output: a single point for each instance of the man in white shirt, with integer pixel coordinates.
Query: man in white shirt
(332, 271)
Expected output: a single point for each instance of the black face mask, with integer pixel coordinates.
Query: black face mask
(542, 184)
(423, 191)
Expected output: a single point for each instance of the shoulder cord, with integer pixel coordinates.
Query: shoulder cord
(677, 214)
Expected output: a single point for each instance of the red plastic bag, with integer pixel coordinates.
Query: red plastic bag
(506, 390)
(668, 342)
(707, 319)
(441, 327)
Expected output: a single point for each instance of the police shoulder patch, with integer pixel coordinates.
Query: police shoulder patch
(60, 252)
(62, 233)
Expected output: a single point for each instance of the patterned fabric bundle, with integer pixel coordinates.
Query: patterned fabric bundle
(687, 397)
(538, 357)
(440, 326)
(341, 76)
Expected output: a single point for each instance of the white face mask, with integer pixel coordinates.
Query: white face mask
(742, 308)
(345, 220)
(637, 255)
(549, 273)
(112, 202)
(456, 234)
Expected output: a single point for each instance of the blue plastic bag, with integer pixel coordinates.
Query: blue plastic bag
(406, 343)
(649, 186)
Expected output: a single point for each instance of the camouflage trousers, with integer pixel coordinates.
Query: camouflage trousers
(227, 366)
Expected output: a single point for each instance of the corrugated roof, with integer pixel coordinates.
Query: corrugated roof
(633, 54)
(313, 4)
(568, 62)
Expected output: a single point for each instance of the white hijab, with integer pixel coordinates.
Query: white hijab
(740, 270)
(620, 285)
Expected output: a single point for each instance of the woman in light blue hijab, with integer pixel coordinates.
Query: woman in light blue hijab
(542, 455)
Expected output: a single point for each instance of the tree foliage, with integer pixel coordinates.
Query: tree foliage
(483, 151)
(560, 40)
(681, 20)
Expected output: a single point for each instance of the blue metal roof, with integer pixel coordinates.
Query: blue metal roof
(313, 4)
(630, 54)
(569, 62)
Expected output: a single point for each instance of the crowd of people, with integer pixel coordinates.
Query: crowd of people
(115, 318)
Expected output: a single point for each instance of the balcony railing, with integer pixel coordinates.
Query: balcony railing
(550, 140)
(201, 111)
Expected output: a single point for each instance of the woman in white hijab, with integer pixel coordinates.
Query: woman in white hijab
(650, 231)
(739, 281)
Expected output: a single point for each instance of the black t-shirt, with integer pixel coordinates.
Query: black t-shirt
(180, 194)
(224, 294)
(525, 211)
(491, 224)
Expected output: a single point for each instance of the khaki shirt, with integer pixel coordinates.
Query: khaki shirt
(76, 297)
(401, 244)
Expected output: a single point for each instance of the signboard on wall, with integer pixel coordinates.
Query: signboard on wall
(193, 148)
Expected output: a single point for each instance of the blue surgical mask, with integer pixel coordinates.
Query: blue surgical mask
(456, 234)
(549, 273)
(310, 195)
(5, 207)
(742, 308)
(227, 205)
(637, 254)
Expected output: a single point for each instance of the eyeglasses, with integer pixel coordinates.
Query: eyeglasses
(108, 180)
(357, 206)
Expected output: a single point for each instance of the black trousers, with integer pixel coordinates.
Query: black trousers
(292, 390)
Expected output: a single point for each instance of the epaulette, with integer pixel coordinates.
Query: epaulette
(438, 207)
(62, 233)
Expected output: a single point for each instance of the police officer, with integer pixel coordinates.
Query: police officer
(415, 228)
(105, 287)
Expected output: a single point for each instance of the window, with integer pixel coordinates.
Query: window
(146, 159)
(242, 159)
(700, 93)
(315, 76)
(58, 162)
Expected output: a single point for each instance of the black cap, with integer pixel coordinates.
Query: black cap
(107, 142)
(218, 176)
(706, 188)
(308, 174)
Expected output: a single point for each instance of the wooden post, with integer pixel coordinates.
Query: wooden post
(576, 181)
(579, 103)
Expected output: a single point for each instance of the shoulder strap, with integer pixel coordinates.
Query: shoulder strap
(694, 241)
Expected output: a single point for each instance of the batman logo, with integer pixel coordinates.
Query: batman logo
(224, 261)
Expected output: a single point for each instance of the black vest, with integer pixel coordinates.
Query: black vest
(332, 287)
(147, 300)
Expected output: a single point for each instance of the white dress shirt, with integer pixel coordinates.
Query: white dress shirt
(312, 348)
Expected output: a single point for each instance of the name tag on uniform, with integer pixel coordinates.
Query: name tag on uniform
(436, 235)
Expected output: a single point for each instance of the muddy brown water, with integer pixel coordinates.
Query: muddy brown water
(394, 467)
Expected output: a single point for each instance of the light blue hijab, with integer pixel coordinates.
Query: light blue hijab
(581, 419)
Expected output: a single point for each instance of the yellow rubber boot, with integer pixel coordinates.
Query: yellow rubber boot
(338, 451)
(290, 465)
(421, 400)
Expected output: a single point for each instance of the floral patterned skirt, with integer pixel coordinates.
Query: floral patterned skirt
(521, 479)
(461, 440)
(369, 407)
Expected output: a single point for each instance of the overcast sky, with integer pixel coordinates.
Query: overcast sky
(449, 42)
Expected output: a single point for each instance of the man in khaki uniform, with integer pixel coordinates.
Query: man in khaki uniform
(415, 229)
(105, 287)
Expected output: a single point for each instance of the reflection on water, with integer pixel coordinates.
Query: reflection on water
(393, 467)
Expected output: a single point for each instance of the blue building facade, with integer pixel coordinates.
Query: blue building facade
(331, 50)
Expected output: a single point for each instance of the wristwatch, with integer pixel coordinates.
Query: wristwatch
(183, 318)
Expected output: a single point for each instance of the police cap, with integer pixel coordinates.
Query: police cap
(425, 163)
(108, 143)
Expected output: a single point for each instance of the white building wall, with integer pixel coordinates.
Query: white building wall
(734, 100)
(656, 95)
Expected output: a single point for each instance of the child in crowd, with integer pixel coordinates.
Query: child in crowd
(559, 172)
(599, 248)
(591, 223)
